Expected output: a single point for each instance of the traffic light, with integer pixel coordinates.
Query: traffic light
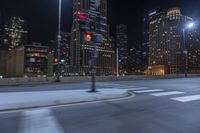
(88, 37)
(82, 15)
(62, 60)
(55, 60)
(83, 21)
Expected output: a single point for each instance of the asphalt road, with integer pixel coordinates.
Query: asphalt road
(160, 106)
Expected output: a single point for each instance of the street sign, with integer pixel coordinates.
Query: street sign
(98, 38)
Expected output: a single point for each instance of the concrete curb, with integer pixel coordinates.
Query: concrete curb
(58, 103)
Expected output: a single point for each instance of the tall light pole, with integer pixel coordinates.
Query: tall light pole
(59, 41)
(117, 61)
(185, 51)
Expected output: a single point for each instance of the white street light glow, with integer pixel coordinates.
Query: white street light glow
(190, 25)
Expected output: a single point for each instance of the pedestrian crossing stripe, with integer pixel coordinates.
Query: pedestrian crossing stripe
(166, 93)
(187, 98)
(39, 121)
(146, 91)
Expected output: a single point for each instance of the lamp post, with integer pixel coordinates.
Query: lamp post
(117, 62)
(59, 41)
(185, 51)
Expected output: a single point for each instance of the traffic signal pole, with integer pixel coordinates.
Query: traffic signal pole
(94, 56)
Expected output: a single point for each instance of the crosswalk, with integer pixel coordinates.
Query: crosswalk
(187, 98)
(181, 96)
(173, 95)
(39, 121)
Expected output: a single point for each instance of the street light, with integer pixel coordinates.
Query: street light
(190, 25)
(185, 51)
(59, 41)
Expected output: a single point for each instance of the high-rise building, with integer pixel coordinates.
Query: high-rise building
(135, 58)
(64, 53)
(122, 45)
(112, 42)
(15, 33)
(80, 51)
(64, 47)
(193, 47)
(1, 31)
(147, 18)
(166, 42)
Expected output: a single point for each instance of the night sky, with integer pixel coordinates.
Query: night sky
(41, 15)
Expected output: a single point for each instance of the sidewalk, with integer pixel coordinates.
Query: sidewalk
(23, 100)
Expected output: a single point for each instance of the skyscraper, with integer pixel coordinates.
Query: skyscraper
(147, 18)
(193, 47)
(64, 53)
(80, 51)
(15, 33)
(122, 45)
(1, 32)
(166, 42)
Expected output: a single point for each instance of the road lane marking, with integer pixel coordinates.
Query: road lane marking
(39, 121)
(146, 91)
(187, 98)
(159, 94)
(124, 87)
(139, 88)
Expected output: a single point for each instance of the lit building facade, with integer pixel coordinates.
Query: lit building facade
(193, 47)
(35, 59)
(64, 47)
(147, 18)
(15, 33)
(166, 41)
(1, 32)
(28, 60)
(135, 59)
(112, 42)
(122, 45)
(80, 51)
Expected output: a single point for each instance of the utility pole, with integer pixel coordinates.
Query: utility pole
(58, 72)
(186, 53)
(117, 61)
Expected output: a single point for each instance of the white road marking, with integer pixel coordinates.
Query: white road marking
(39, 121)
(146, 91)
(124, 87)
(187, 98)
(139, 88)
(166, 93)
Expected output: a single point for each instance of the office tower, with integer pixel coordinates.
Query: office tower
(135, 58)
(80, 51)
(147, 18)
(193, 47)
(15, 33)
(166, 42)
(1, 32)
(122, 45)
(112, 42)
(64, 53)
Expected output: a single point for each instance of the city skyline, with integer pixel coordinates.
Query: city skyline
(99, 66)
(43, 21)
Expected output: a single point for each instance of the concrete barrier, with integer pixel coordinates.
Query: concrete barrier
(47, 80)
